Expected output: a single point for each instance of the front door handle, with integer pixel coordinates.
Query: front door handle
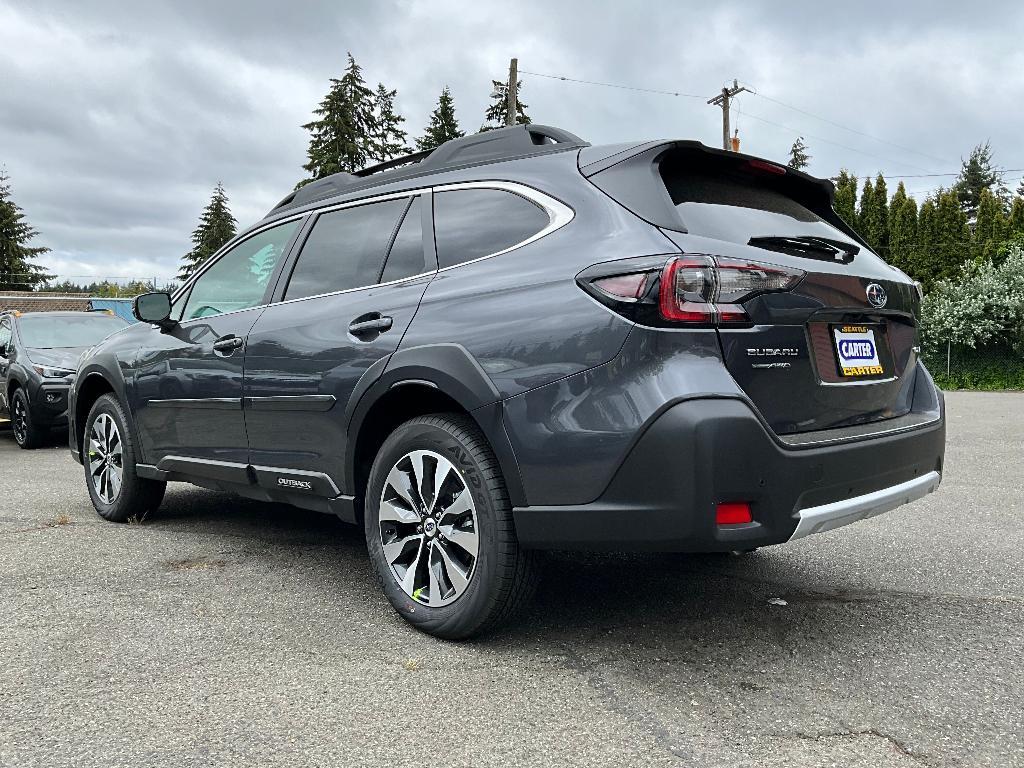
(227, 344)
(371, 323)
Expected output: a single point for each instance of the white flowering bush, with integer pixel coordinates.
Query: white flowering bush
(983, 305)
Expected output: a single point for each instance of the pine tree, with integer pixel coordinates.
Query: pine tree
(866, 211)
(990, 226)
(340, 137)
(216, 227)
(494, 117)
(846, 198)
(17, 272)
(443, 126)
(388, 139)
(896, 253)
(878, 233)
(903, 235)
(951, 237)
(977, 173)
(798, 157)
(1015, 226)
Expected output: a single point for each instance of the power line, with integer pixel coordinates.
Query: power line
(614, 85)
(847, 128)
(952, 173)
(828, 141)
(695, 95)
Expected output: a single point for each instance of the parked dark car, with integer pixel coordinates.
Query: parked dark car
(519, 341)
(39, 353)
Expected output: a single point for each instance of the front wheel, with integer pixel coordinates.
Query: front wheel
(26, 433)
(439, 529)
(117, 492)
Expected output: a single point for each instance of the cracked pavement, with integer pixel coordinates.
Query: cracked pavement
(230, 632)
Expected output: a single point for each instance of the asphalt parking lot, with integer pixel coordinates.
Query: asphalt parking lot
(229, 632)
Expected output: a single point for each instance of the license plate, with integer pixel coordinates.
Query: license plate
(857, 350)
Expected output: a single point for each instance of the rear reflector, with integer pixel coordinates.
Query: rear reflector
(733, 513)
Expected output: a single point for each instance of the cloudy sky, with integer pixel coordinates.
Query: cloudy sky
(118, 118)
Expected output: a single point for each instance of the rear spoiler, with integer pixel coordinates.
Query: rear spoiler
(619, 174)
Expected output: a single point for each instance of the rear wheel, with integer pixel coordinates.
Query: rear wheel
(26, 433)
(117, 492)
(439, 529)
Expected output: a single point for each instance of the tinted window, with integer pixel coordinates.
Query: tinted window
(240, 277)
(406, 257)
(470, 223)
(735, 207)
(50, 331)
(345, 249)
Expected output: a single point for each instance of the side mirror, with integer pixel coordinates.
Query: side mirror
(153, 308)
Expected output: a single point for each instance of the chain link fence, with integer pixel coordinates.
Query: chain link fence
(992, 367)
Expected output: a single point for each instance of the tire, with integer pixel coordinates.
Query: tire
(467, 595)
(26, 434)
(106, 434)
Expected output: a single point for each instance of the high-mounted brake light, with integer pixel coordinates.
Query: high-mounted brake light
(764, 165)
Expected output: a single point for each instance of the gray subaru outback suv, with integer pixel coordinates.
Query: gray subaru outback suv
(518, 342)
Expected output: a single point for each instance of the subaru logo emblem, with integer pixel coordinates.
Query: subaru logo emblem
(876, 295)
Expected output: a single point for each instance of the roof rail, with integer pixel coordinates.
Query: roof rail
(498, 144)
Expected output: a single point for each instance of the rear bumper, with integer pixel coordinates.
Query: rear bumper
(704, 451)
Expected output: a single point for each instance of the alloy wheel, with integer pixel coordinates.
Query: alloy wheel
(105, 458)
(19, 422)
(428, 528)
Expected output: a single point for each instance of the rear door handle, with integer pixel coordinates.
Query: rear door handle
(371, 323)
(227, 344)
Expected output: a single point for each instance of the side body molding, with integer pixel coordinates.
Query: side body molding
(452, 370)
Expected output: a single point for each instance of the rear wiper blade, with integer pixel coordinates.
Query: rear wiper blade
(808, 246)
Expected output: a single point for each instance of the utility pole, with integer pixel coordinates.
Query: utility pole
(511, 96)
(722, 100)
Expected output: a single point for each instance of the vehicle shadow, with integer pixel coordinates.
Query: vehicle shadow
(704, 609)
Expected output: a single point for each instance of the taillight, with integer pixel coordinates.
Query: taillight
(622, 286)
(693, 289)
(709, 290)
(688, 290)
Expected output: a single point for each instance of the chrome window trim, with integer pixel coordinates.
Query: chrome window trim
(230, 245)
(559, 214)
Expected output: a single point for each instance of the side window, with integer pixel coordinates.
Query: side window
(345, 249)
(470, 223)
(239, 278)
(406, 257)
(5, 337)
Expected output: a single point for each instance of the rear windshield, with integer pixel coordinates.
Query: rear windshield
(49, 332)
(734, 206)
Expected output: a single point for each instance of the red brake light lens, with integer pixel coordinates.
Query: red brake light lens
(687, 290)
(706, 290)
(764, 165)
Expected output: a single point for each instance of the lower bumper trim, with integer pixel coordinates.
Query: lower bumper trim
(839, 513)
